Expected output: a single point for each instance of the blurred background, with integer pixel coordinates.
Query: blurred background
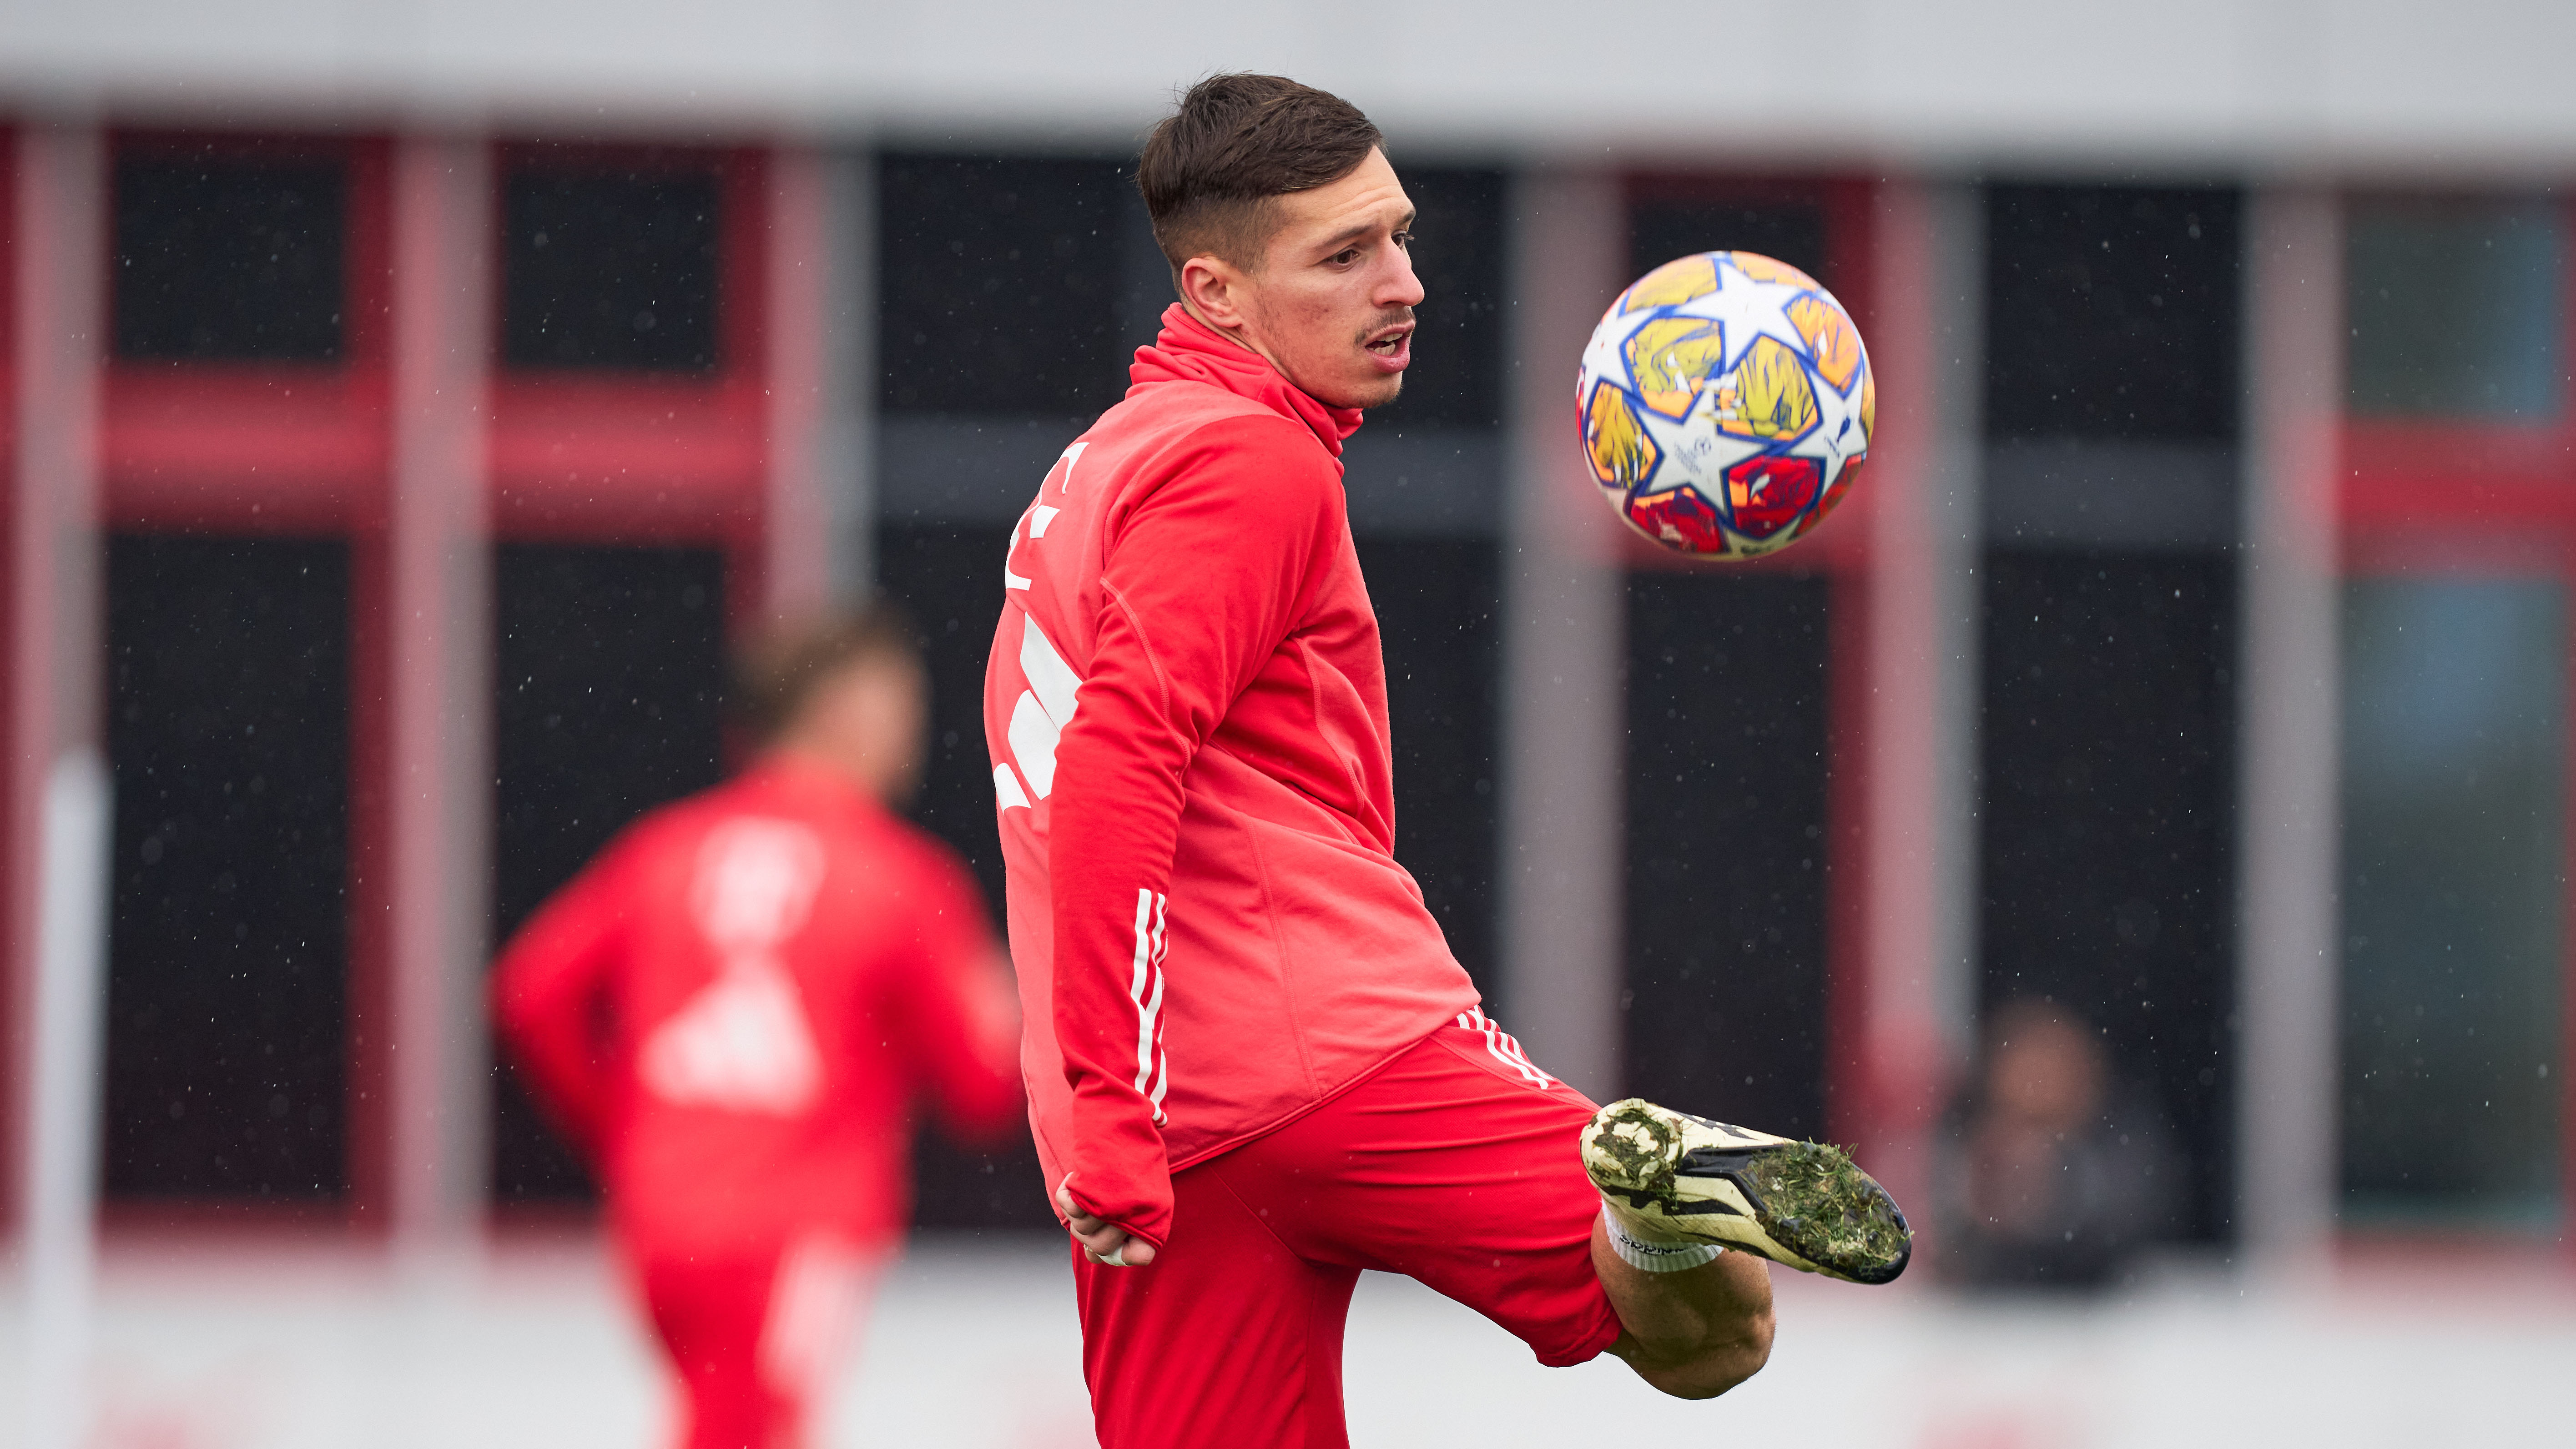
(2139, 824)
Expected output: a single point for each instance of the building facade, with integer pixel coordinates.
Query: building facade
(402, 423)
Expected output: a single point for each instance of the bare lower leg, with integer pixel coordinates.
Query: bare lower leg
(1693, 1334)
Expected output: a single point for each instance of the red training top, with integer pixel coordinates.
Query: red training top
(731, 1009)
(1187, 713)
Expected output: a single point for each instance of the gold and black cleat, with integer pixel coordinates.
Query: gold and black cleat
(1800, 1204)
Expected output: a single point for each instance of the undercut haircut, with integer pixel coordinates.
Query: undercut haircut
(1212, 173)
(777, 673)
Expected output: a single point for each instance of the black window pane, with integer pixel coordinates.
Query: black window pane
(608, 671)
(1436, 602)
(2454, 306)
(1001, 284)
(225, 259)
(228, 727)
(611, 270)
(949, 579)
(2111, 313)
(1792, 232)
(2107, 779)
(2454, 900)
(1456, 379)
(1725, 912)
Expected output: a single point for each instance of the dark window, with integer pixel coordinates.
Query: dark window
(1725, 1006)
(609, 270)
(2454, 900)
(608, 670)
(2111, 312)
(2454, 306)
(1792, 232)
(225, 259)
(1001, 284)
(2107, 782)
(949, 578)
(228, 724)
(1437, 601)
(1456, 380)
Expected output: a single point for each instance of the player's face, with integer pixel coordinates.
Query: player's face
(1332, 303)
(869, 719)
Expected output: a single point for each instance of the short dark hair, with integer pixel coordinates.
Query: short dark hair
(1212, 171)
(776, 673)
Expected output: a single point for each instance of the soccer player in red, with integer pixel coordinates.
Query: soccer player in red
(1255, 1068)
(732, 1010)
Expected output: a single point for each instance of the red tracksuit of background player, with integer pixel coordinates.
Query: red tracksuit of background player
(731, 1012)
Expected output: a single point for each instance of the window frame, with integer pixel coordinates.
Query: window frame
(1845, 555)
(582, 456)
(615, 456)
(267, 448)
(272, 448)
(260, 447)
(2400, 510)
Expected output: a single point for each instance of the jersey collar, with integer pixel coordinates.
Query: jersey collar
(1189, 351)
(785, 774)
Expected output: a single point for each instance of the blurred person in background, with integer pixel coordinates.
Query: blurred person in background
(2059, 1173)
(732, 1010)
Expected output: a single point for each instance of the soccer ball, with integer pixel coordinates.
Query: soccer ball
(1726, 405)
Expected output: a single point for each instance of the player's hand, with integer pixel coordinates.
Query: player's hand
(1103, 1241)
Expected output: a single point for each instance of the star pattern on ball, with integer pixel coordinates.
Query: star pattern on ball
(1839, 431)
(1758, 309)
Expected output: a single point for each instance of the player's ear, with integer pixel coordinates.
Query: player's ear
(1214, 288)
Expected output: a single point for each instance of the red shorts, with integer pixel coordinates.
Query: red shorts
(1454, 1164)
(755, 1338)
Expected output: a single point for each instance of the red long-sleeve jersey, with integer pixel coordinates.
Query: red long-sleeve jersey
(733, 1009)
(1186, 708)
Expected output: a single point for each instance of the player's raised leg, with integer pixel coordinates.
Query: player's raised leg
(1693, 1330)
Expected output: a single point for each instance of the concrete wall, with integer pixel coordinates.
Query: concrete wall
(2473, 84)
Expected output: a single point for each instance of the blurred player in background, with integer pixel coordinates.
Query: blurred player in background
(732, 1011)
(2061, 1172)
(1256, 1068)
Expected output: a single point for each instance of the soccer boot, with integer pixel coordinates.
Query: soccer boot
(1802, 1204)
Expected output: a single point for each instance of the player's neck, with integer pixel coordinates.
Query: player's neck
(792, 756)
(1234, 335)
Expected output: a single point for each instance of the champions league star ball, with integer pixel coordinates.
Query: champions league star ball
(1726, 405)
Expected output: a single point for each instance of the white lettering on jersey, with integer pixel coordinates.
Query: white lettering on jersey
(1050, 678)
(755, 882)
(1012, 580)
(1039, 718)
(742, 1043)
(1006, 789)
(1037, 518)
(1145, 988)
(1033, 738)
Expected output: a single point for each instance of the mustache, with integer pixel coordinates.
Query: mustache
(1393, 317)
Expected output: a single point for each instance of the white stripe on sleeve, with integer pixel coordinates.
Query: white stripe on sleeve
(1145, 988)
